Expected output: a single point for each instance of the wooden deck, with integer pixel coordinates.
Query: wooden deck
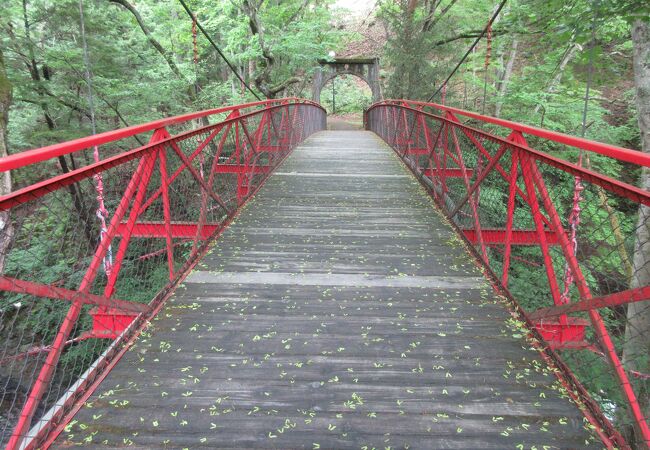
(337, 311)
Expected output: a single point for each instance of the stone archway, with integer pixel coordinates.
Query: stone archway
(365, 68)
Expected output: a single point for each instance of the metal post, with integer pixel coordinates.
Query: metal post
(333, 96)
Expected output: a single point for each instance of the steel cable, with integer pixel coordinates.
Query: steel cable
(494, 16)
(232, 68)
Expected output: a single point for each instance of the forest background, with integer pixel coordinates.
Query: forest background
(145, 64)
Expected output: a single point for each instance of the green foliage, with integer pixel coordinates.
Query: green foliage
(133, 84)
(541, 90)
(130, 77)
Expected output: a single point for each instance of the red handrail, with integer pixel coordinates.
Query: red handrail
(613, 151)
(52, 151)
(621, 188)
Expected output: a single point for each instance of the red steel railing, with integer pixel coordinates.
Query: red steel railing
(569, 246)
(89, 256)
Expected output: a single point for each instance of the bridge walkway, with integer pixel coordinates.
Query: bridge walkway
(339, 310)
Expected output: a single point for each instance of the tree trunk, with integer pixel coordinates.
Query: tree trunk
(263, 78)
(409, 42)
(637, 331)
(6, 228)
(402, 82)
(568, 56)
(503, 82)
(251, 69)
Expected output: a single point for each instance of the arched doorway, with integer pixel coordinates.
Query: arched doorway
(365, 68)
(345, 94)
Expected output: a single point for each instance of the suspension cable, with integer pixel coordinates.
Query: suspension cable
(232, 68)
(494, 16)
(488, 52)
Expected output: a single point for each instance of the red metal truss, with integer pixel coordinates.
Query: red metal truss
(145, 209)
(448, 173)
(170, 178)
(167, 224)
(602, 334)
(514, 237)
(610, 184)
(163, 229)
(42, 188)
(613, 151)
(473, 200)
(620, 298)
(47, 291)
(241, 168)
(204, 196)
(431, 146)
(52, 151)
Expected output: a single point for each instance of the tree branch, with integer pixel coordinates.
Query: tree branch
(73, 107)
(152, 40)
(429, 24)
(471, 35)
(263, 78)
(285, 84)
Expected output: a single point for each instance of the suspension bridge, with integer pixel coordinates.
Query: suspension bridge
(250, 279)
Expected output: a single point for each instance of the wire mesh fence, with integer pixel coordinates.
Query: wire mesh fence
(569, 245)
(88, 256)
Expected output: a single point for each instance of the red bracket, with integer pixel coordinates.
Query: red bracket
(563, 334)
(109, 323)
